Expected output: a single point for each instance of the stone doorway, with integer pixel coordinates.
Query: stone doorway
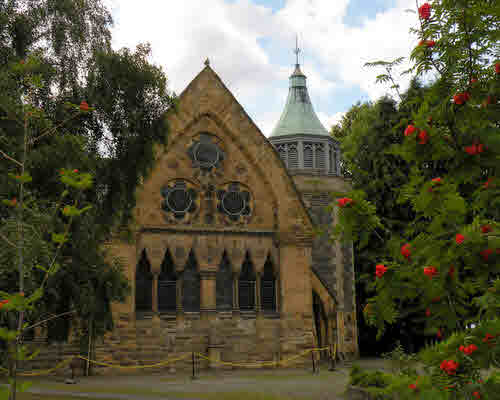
(321, 324)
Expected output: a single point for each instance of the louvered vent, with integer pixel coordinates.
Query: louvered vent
(282, 153)
(308, 155)
(331, 157)
(320, 157)
(293, 156)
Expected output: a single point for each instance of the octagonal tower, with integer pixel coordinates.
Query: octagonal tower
(312, 158)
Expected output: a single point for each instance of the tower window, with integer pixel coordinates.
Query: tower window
(320, 156)
(308, 155)
(293, 156)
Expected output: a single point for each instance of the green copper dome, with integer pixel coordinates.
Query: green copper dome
(298, 117)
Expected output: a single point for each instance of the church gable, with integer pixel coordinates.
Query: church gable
(219, 170)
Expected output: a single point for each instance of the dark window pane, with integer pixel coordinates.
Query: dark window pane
(167, 296)
(191, 286)
(247, 295)
(224, 285)
(268, 289)
(143, 285)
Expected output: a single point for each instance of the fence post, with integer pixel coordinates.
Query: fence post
(332, 359)
(193, 377)
(314, 365)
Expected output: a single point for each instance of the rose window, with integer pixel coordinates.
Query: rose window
(206, 153)
(179, 199)
(234, 202)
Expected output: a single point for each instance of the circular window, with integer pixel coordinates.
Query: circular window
(179, 200)
(206, 154)
(233, 203)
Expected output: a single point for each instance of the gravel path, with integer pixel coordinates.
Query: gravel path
(299, 384)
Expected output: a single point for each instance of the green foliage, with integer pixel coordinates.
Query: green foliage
(446, 277)
(401, 362)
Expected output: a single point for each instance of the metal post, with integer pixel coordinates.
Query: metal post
(193, 377)
(332, 359)
(314, 365)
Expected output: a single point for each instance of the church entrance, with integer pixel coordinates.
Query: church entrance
(321, 324)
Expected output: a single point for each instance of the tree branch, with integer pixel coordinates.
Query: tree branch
(11, 159)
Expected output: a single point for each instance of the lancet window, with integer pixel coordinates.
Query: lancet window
(191, 285)
(167, 281)
(143, 284)
(268, 287)
(246, 285)
(224, 285)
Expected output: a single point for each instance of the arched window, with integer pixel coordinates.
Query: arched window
(293, 156)
(143, 285)
(246, 285)
(308, 155)
(191, 285)
(320, 156)
(268, 287)
(332, 158)
(167, 281)
(282, 152)
(224, 285)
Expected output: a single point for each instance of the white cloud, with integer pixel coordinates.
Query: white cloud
(345, 48)
(329, 120)
(183, 34)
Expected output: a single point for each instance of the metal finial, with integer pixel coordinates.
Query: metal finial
(207, 62)
(297, 50)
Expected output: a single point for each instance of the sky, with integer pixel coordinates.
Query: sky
(250, 46)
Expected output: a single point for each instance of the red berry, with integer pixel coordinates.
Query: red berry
(409, 130)
(486, 228)
(84, 106)
(424, 11)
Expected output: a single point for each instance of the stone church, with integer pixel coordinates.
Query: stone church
(225, 261)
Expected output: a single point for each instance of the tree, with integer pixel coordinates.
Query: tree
(366, 132)
(447, 257)
(71, 42)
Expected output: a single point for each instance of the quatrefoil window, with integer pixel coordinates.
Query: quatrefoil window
(206, 153)
(234, 202)
(179, 200)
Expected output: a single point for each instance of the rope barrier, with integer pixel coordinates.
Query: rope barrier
(135, 366)
(163, 363)
(47, 371)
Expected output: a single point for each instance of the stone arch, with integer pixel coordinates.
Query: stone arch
(167, 283)
(268, 287)
(320, 322)
(246, 284)
(143, 284)
(191, 299)
(224, 285)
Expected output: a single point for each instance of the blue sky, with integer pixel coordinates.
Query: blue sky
(250, 45)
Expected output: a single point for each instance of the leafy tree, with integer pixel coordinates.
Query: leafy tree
(446, 258)
(70, 41)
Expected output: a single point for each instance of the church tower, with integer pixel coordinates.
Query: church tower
(312, 158)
